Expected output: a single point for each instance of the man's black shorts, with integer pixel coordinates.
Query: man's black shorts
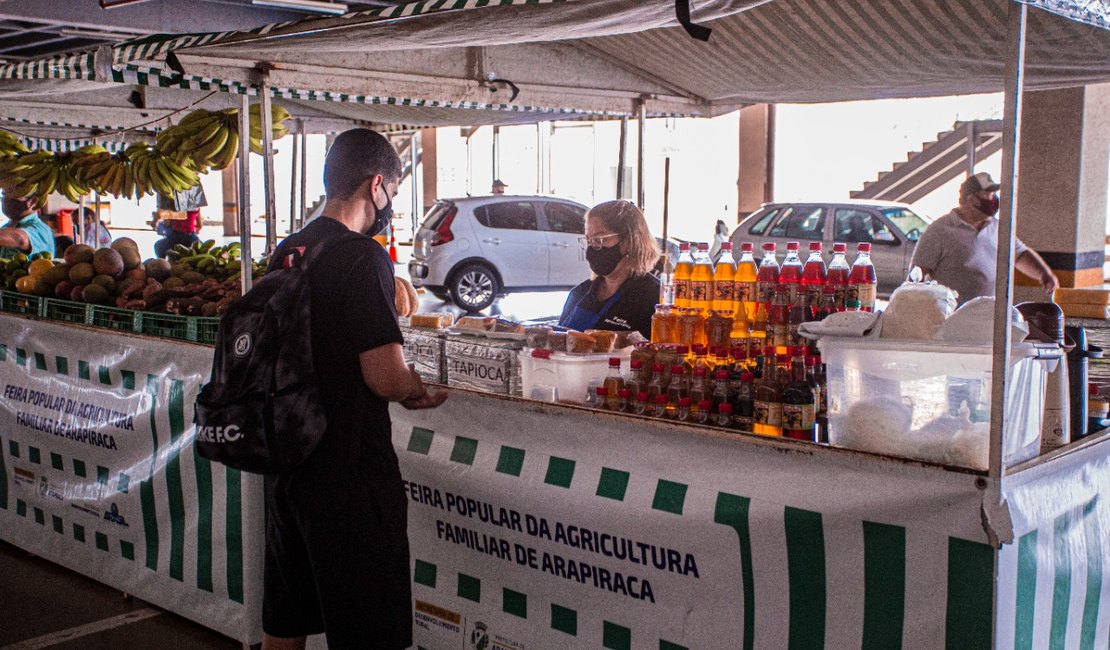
(337, 560)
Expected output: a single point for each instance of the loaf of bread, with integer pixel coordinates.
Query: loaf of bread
(603, 340)
(557, 341)
(628, 339)
(476, 323)
(536, 337)
(436, 321)
(580, 342)
(507, 326)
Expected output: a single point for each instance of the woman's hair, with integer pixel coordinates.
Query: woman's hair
(625, 219)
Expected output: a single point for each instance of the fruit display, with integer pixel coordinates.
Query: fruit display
(202, 141)
(198, 280)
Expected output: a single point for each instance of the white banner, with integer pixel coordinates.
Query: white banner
(541, 526)
(98, 473)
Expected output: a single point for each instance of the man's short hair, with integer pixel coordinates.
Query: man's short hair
(355, 156)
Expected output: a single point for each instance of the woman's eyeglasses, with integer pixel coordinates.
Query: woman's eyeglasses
(596, 242)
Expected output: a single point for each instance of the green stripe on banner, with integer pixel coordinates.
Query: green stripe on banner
(128, 379)
(20, 357)
(805, 561)
(514, 602)
(105, 376)
(1095, 543)
(669, 497)
(613, 484)
(203, 469)
(3, 352)
(3, 479)
(234, 541)
(420, 441)
(13, 449)
(968, 619)
(510, 461)
(470, 588)
(34, 455)
(56, 461)
(40, 361)
(884, 585)
(732, 511)
(615, 637)
(464, 451)
(564, 620)
(1061, 584)
(173, 481)
(83, 369)
(79, 533)
(1026, 591)
(79, 468)
(424, 573)
(146, 488)
(560, 472)
(62, 364)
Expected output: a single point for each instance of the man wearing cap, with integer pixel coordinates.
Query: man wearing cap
(960, 249)
(498, 187)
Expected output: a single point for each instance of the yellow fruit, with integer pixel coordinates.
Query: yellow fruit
(38, 267)
(25, 284)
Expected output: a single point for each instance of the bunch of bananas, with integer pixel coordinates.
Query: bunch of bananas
(39, 174)
(278, 115)
(97, 168)
(154, 169)
(11, 145)
(203, 140)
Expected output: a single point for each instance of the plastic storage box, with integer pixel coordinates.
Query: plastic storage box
(932, 401)
(570, 374)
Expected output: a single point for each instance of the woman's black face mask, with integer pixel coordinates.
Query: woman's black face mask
(604, 261)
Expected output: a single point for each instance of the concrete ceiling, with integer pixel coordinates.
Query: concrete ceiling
(32, 29)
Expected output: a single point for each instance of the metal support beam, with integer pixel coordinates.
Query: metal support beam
(296, 136)
(622, 155)
(413, 181)
(244, 193)
(971, 136)
(266, 120)
(303, 135)
(641, 130)
(1004, 271)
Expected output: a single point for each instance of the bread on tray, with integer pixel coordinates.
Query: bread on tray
(476, 323)
(436, 321)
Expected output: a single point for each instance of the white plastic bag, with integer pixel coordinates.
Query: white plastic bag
(917, 310)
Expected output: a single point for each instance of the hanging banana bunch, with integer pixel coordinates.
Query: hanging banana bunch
(160, 171)
(11, 145)
(278, 115)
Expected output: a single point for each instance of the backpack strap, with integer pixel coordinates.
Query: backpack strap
(305, 258)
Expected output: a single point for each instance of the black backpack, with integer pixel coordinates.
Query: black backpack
(261, 411)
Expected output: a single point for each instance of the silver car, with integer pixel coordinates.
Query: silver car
(476, 248)
(891, 228)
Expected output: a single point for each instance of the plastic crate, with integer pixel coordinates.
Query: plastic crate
(20, 303)
(117, 318)
(206, 327)
(169, 326)
(67, 311)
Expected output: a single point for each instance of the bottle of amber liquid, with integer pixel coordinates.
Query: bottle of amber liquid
(799, 415)
(614, 382)
(779, 318)
(658, 384)
(767, 405)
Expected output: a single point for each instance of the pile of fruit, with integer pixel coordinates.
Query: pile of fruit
(203, 140)
(201, 280)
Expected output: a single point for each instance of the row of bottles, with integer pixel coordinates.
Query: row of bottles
(739, 285)
(765, 393)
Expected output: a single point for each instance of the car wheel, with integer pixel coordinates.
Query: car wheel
(474, 287)
(440, 294)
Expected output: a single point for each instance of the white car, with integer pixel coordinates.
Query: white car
(476, 248)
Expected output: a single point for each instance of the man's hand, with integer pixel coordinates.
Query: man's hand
(1050, 283)
(425, 401)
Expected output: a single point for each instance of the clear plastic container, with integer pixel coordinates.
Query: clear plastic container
(570, 374)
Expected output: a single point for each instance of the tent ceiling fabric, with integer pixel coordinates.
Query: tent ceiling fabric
(598, 54)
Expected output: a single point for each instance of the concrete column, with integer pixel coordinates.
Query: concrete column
(755, 184)
(229, 181)
(428, 160)
(1062, 197)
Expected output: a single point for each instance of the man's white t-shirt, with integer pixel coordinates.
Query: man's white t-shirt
(960, 256)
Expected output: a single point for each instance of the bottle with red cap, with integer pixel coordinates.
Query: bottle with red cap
(767, 402)
(799, 411)
(863, 283)
(814, 274)
(790, 274)
(838, 273)
(745, 284)
(767, 278)
(676, 389)
(614, 382)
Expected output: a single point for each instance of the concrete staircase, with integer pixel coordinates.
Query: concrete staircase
(937, 162)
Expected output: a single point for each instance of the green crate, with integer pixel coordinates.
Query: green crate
(117, 318)
(206, 327)
(14, 302)
(169, 326)
(67, 311)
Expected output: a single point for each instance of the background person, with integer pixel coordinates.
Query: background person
(621, 252)
(960, 250)
(25, 231)
(89, 221)
(498, 187)
(720, 236)
(337, 554)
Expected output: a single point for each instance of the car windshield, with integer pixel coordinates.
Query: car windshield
(906, 221)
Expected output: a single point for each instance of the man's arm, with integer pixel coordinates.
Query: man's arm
(15, 238)
(1033, 265)
(386, 375)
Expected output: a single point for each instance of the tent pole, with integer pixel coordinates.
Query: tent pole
(245, 279)
(641, 113)
(293, 184)
(268, 163)
(1004, 271)
(622, 155)
(303, 135)
(412, 179)
(971, 135)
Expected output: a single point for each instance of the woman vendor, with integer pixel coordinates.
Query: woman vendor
(621, 253)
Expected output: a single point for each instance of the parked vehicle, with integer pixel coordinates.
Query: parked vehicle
(474, 249)
(891, 228)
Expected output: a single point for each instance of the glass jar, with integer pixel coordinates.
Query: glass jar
(691, 327)
(664, 324)
(718, 329)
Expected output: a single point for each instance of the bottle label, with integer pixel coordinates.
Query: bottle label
(699, 291)
(766, 291)
(792, 293)
(798, 417)
(780, 333)
(794, 337)
(681, 289)
(723, 291)
(768, 413)
(865, 294)
(745, 291)
(815, 291)
(841, 295)
(823, 401)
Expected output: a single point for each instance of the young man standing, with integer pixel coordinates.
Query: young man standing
(337, 557)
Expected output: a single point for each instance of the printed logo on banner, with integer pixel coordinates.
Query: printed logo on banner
(46, 490)
(428, 616)
(479, 637)
(23, 476)
(85, 509)
(115, 517)
(242, 345)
